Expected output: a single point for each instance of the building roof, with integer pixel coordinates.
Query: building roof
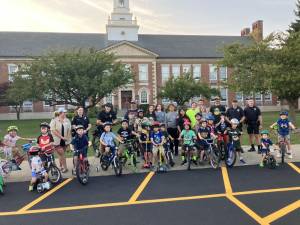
(25, 44)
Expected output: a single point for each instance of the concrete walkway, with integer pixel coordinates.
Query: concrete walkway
(251, 158)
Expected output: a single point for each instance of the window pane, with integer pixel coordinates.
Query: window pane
(223, 73)
(239, 96)
(223, 92)
(176, 71)
(212, 72)
(165, 72)
(109, 98)
(186, 68)
(258, 97)
(144, 97)
(12, 68)
(143, 72)
(197, 71)
(268, 97)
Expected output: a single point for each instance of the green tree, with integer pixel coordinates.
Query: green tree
(295, 26)
(74, 77)
(185, 87)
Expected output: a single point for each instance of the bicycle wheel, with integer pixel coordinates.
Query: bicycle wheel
(81, 173)
(271, 161)
(1, 185)
(54, 174)
(170, 158)
(117, 166)
(230, 161)
(133, 162)
(189, 159)
(214, 158)
(282, 150)
(104, 163)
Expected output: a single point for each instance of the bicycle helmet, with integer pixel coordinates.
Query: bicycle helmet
(286, 113)
(145, 124)
(203, 120)
(124, 121)
(156, 124)
(108, 105)
(11, 128)
(107, 124)
(79, 127)
(264, 132)
(210, 117)
(45, 124)
(162, 125)
(34, 150)
(234, 121)
(140, 110)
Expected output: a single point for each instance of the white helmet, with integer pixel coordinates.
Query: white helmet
(234, 121)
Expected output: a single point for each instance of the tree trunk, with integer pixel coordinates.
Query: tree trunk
(293, 106)
(18, 111)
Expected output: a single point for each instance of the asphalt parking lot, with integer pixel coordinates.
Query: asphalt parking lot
(241, 195)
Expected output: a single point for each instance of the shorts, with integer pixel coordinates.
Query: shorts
(156, 149)
(147, 147)
(36, 174)
(185, 147)
(82, 151)
(202, 145)
(265, 151)
(253, 128)
(284, 137)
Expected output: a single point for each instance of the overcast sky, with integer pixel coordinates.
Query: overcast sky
(214, 17)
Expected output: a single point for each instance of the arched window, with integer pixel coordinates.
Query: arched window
(144, 96)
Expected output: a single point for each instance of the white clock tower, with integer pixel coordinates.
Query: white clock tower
(121, 25)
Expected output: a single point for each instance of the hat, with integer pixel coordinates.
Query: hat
(61, 110)
(79, 127)
(107, 124)
(45, 124)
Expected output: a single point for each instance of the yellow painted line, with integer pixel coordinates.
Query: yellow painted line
(47, 194)
(142, 186)
(282, 212)
(296, 168)
(226, 180)
(104, 205)
(247, 210)
(266, 191)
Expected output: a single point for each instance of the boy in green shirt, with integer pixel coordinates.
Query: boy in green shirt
(188, 136)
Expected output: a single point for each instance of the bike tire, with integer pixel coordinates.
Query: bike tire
(117, 167)
(104, 165)
(271, 162)
(282, 150)
(54, 174)
(133, 162)
(231, 158)
(1, 185)
(214, 158)
(189, 160)
(170, 158)
(80, 174)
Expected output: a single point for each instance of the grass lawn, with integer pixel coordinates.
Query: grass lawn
(30, 128)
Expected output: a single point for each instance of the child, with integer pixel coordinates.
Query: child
(198, 118)
(79, 144)
(188, 136)
(166, 135)
(139, 120)
(283, 128)
(45, 141)
(10, 140)
(157, 140)
(210, 123)
(108, 138)
(124, 134)
(221, 129)
(36, 167)
(265, 145)
(146, 144)
(234, 138)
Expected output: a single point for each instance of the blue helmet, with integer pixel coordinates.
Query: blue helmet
(286, 113)
(210, 117)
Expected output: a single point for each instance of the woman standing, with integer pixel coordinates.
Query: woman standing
(150, 114)
(81, 119)
(61, 131)
(171, 120)
(160, 114)
(182, 118)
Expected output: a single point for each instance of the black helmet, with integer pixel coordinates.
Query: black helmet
(124, 121)
(108, 105)
(107, 124)
(140, 110)
(45, 124)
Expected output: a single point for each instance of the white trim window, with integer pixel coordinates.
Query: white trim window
(223, 73)
(27, 106)
(268, 97)
(186, 68)
(175, 70)
(143, 72)
(12, 68)
(239, 96)
(213, 75)
(144, 96)
(258, 97)
(224, 94)
(197, 72)
(165, 101)
(165, 73)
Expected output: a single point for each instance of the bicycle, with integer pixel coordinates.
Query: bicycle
(231, 155)
(189, 149)
(82, 168)
(212, 154)
(111, 159)
(221, 143)
(130, 155)
(161, 159)
(5, 169)
(169, 154)
(269, 161)
(51, 168)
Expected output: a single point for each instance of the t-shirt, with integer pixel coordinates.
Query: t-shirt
(108, 138)
(191, 114)
(222, 127)
(171, 119)
(80, 143)
(181, 120)
(283, 127)
(204, 132)
(10, 141)
(44, 140)
(36, 164)
(234, 134)
(107, 116)
(236, 113)
(145, 136)
(125, 133)
(267, 142)
(188, 137)
(216, 111)
(151, 117)
(83, 120)
(157, 137)
(252, 114)
(131, 115)
(160, 116)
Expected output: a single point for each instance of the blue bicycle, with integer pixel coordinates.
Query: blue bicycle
(111, 158)
(231, 155)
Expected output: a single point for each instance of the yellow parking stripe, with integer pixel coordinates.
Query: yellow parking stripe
(296, 168)
(247, 210)
(282, 212)
(47, 194)
(142, 186)
(266, 191)
(226, 180)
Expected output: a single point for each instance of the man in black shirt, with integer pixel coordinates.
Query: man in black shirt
(106, 115)
(235, 112)
(253, 119)
(217, 109)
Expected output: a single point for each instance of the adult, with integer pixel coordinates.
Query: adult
(106, 115)
(191, 113)
(160, 114)
(253, 119)
(61, 130)
(131, 114)
(171, 124)
(181, 119)
(150, 114)
(202, 108)
(80, 119)
(217, 109)
(235, 112)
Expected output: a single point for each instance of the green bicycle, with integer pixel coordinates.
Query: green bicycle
(130, 155)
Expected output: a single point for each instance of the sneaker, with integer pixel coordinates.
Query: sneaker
(290, 156)
(261, 164)
(183, 162)
(30, 188)
(251, 150)
(242, 161)
(195, 162)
